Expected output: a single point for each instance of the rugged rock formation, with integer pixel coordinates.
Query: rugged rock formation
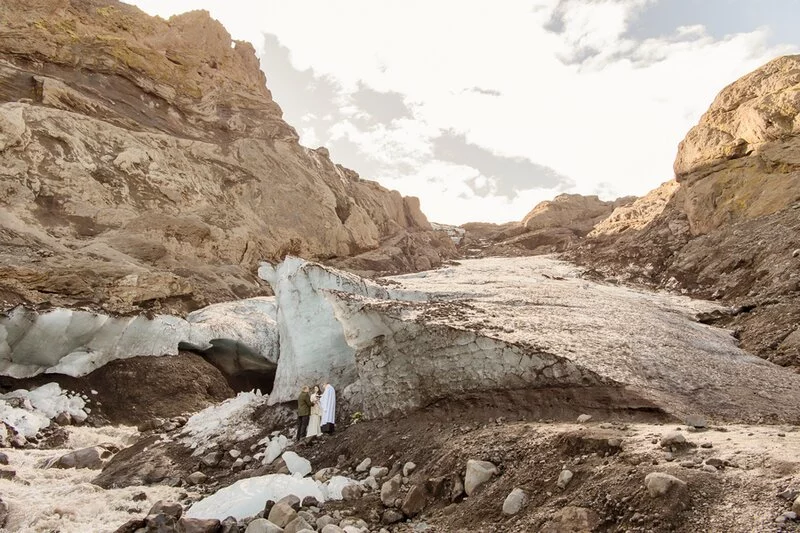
(144, 165)
(550, 227)
(637, 214)
(732, 228)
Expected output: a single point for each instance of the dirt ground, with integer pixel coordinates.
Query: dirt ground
(609, 457)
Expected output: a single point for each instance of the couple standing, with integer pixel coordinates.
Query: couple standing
(316, 413)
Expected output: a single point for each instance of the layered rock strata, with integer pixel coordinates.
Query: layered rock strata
(145, 165)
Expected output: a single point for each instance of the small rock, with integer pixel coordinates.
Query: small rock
(564, 478)
(514, 502)
(659, 484)
(211, 459)
(796, 505)
(297, 525)
(234, 453)
(391, 516)
(478, 473)
(415, 501)
(363, 466)
(173, 509)
(390, 490)
(196, 478)
(198, 525)
(371, 483)
(7, 473)
(139, 497)
(229, 525)
(707, 445)
(582, 419)
(378, 472)
(63, 419)
(710, 469)
(789, 494)
(696, 421)
(292, 501)
(674, 438)
(260, 525)
(310, 501)
(796, 253)
(352, 491)
(281, 514)
(325, 520)
(331, 528)
(3, 459)
(408, 468)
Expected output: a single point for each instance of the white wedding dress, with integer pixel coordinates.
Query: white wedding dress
(315, 418)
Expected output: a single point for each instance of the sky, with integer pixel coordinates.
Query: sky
(483, 108)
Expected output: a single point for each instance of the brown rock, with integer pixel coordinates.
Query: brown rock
(281, 514)
(197, 525)
(415, 501)
(180, 178)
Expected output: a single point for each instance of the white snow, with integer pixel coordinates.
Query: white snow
(333, 487)
(39, 406)
(229, 421)
(296, 464)
(247, 496)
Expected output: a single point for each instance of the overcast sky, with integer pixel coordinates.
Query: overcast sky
(483, 108)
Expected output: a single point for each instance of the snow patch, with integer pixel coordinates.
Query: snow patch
(38, 407)
(232, 420)
(246, 497)
(296, 464)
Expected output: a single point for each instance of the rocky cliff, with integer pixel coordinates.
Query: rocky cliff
(145, 165)
(549, 227)
(731, 228)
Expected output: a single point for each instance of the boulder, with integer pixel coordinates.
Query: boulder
(514, 502)
(364, 465)
(391, 516)
(197, 525)
(660, 484)
(173, 509)
(352, 491)
(84, 458)
(229, 525)
(331, 528)
(325, 520)
(196, 478)
(261, 525)
(477, 473)
(796, 505)
(390, 490)
(281, 514)
(292, 501)
(415, 501)
(297, 525)
(674, 439)
(378, 472)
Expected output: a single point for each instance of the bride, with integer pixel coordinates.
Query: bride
(315, 418)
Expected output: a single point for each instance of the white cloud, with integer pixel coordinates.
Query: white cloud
(586, 100)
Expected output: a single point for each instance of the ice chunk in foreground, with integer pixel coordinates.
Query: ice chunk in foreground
(230, 420)
(247, 496)
(39, 406)
(296, 464)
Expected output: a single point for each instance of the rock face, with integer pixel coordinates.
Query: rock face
(729, 230)
(144, 165)
(550, 227)
(637, 214)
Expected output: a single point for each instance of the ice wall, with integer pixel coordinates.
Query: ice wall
(313, 347)
(75, 342)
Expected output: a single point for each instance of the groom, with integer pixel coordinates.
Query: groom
(328, 404)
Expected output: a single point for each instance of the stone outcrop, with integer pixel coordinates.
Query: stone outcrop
(551, 226)
(731, 228)
(145, 165)
(637, 214)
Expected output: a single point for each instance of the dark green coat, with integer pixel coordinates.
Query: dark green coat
(304, 404)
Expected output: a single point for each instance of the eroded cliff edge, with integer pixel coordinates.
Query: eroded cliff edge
(145, 166)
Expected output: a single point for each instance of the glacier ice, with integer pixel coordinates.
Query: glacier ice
(246, 497)
(76, 342)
